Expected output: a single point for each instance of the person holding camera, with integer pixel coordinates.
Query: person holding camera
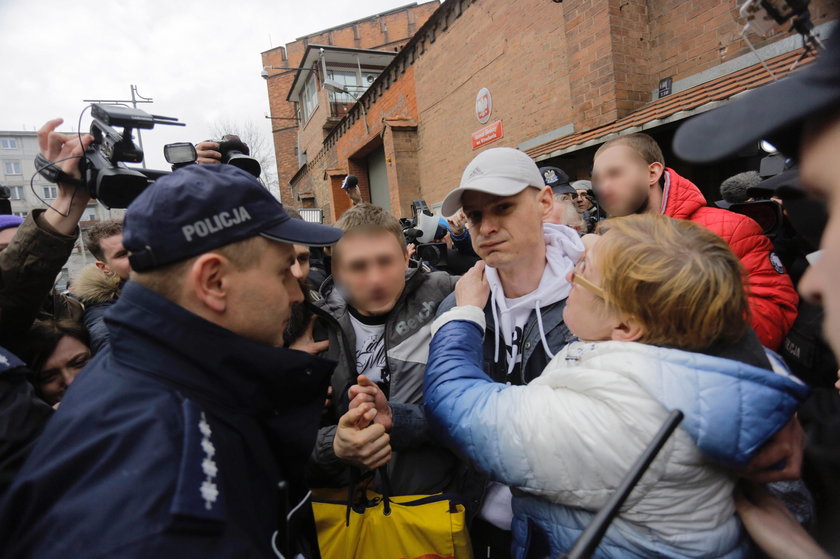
(43, 242)
(32, 253)
(190, 434)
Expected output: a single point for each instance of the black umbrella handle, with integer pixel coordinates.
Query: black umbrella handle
(588, 541)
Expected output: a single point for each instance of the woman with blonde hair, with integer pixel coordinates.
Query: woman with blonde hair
(653, 302)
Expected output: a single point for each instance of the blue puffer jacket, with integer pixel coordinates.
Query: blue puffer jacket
(565, 441)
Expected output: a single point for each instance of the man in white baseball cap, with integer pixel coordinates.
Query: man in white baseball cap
(505, 199)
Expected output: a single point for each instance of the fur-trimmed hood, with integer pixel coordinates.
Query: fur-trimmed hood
(94, 287)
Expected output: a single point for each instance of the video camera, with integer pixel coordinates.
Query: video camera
(423, 229)
(103, 166)
(235, 152)
(104, 171)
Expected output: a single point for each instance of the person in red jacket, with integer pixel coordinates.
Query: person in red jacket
(630, 176)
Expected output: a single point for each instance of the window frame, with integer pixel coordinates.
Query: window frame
(16, 164)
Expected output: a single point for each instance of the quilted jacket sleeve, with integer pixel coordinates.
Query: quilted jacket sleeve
(534, 437)
(773, 300)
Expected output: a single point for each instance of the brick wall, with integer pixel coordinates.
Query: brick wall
(691, 36)
(547, 65)
(389, 31)
(515, 49)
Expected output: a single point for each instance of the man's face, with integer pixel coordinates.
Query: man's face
(622, 180)
(261, 298)
(370, 267)
(116, 257)
(301, 267)
(6, 236)
(820, 172)
(504, 229)
(582, 202)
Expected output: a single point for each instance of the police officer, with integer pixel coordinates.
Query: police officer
(189, 436)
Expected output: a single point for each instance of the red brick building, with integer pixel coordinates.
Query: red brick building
(387, 31)
(562, 79)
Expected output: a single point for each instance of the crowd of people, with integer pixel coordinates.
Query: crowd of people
(225, 367)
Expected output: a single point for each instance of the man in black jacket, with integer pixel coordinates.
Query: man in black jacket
(189, 435)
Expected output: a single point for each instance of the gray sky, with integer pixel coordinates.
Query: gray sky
(199, 60)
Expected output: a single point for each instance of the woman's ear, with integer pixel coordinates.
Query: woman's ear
(628, 329)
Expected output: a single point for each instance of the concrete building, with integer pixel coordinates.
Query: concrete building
(553, 79)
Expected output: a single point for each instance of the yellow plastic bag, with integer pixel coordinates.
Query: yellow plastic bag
(378, 527)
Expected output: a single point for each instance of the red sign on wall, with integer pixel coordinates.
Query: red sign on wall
(488, 134)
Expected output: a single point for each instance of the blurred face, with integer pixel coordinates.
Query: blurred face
(557, 215)
(260, 298)
(6, 236)
(504, 229)
(116, 257)
(820, 172)
(301, 267)
(586, 314)
(370, 267)
(67, 360)
(582, 202)
(624, 181)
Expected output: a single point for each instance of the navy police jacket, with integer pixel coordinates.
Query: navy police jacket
(180, 440)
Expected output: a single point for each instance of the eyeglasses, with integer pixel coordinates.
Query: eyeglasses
(566, 196)
(577, 278)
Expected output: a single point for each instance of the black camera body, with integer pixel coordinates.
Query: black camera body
(104, 170)
(235, 152)
(423, 229)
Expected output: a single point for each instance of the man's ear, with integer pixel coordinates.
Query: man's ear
(545, 199)
(209, 280)
(655, 171)
(103, 267)
(629, 329)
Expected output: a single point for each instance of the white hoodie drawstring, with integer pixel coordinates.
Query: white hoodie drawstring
(542, 331)
(497, 328)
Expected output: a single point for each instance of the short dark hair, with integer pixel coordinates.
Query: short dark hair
(102, 230)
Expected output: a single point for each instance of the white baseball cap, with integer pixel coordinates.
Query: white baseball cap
(498, 171)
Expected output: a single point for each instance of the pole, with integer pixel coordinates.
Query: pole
(588, 541)
(134, 104)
